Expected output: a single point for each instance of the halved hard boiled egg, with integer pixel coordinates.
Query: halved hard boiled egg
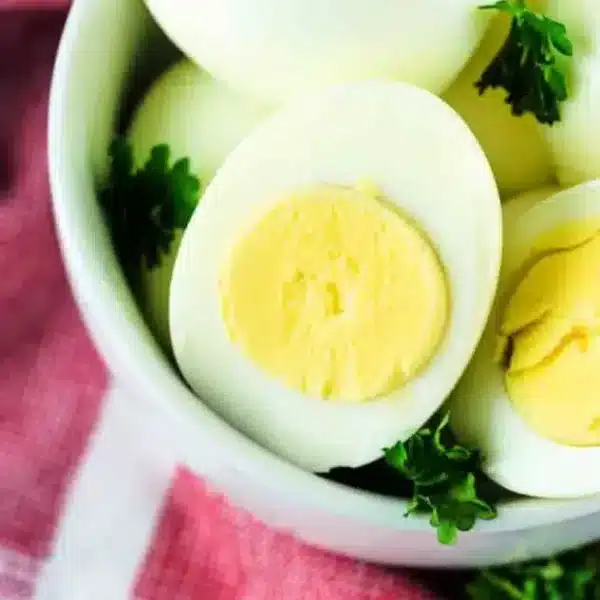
(515, 206)
(529, 399)
(278, 49)
(335, 279)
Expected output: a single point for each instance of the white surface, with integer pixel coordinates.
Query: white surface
(427, 163)
(482, 413)
(277, 49)
(515, 206)
(194, 114)
(362, 525)
(574, 140)
(112, 506)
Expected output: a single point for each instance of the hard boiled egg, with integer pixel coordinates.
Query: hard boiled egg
(574, 140)
(529, 397)
(515, 146)
(196, 115)
(334, 281)
(515, 206)
(277, 49)
(198, 118)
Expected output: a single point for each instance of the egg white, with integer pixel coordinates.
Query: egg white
(574, 140)
(196, 115)
(427, 162)
(518, 204)
(276, 49)
(199, 118)
(482, 413)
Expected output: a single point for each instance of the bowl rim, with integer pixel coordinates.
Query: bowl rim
(140, 369)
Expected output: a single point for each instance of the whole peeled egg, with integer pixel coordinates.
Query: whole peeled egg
(574, 140)
(529, 397)
(278, 49)
(515, 146)
(198, 118)
(333, 283)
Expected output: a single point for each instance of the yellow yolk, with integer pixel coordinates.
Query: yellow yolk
(335, 294)
(552, 321)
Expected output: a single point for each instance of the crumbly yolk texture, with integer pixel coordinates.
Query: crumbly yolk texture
(552, 321)
(335, 294)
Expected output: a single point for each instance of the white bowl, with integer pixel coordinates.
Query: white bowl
(105, 47)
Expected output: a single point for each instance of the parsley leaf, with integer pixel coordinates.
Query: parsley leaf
(443, 477)
(145, 206)
(573, 576)
(526, 65)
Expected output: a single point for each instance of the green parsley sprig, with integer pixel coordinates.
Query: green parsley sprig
(443, 475)
(526, 65)
(145, 206)
(574, 575)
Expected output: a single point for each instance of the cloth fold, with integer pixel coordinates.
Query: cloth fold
(52, 397)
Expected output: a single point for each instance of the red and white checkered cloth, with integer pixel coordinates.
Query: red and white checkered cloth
(91, 506)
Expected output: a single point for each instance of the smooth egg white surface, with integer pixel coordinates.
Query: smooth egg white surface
(482, 414)
(196, 115)
(515, 206)
(574, 140)
(199, 118)
(425, 161)
(277, 49)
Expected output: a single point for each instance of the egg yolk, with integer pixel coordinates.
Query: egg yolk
(335, 294)
(552, 324)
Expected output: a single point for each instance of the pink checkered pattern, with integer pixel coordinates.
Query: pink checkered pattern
(204, 548)
(50, 377)
(52, 386)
